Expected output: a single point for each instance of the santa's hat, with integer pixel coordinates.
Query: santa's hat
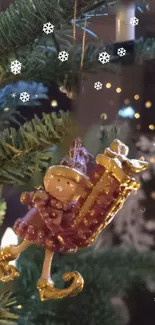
(73, 166)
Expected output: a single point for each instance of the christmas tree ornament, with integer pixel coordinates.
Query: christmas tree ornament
(71, 210)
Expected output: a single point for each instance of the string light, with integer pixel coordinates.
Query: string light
(148, 104)
(136, 97)
(19, 306)
(153, 195)
(108, 85)
(126, 101)
(54, 103)
(118, 90)
(137, 115)
(151, 127)
(6, 109)
(103, 116)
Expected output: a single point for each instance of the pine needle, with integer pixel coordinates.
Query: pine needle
(28, 150)
(6, 302)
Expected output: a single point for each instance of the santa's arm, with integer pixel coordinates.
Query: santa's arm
(30, 198)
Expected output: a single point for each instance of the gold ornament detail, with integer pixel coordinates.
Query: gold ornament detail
(47, 290)
(7, 272)
(117, 166)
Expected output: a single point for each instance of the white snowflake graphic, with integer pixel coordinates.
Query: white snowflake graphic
(98, 85)
(121, 51)
(63, 56)
(48, 28)
(24, 97)
(13, 95)
(134, 21)
(104, 57)
(16, 67)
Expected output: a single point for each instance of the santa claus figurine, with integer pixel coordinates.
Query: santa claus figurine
(71, 210)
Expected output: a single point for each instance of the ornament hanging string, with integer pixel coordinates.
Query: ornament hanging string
(83, 43)
(84, 33)
(74, 24)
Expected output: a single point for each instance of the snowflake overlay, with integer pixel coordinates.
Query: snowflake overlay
(104, 57)
(13, 95)
(63, 56)
(121, 51)
(134, 21)
(24, 97)
(48, 28)
(98, 85)
(16, 67)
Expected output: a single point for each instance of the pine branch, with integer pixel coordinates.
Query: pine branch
(6, 316)
(40, 62)
(107, 274)
(145, 49)
(3, 208)
(28, 150)
(22, 22)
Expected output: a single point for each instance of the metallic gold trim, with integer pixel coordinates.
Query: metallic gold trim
(125, 191)
(68, 172)
(48, 292)
(117, 153)
(111, 166)
(103, 185)
(8, 272)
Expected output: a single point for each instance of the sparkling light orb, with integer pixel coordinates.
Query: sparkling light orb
(137, 115)
(151, 127)
(108, 85)
(103, 116)
(148, 104)
(54, 103)
(136, 97)
(127, 112)
(118, 90)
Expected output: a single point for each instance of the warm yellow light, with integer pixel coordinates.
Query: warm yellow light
(148, 104)
(136, 97)
(126, 101)
(103, 116)
(6, 109)
(118, 90)
(153, 195)
(137, 115)
(151, 127)
(108, 85)
(54, 103)
(19, 306)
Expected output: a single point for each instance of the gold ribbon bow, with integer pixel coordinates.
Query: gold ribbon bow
(119, 152)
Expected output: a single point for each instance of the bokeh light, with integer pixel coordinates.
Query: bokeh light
(54, 103)
(136, 97)
(103, 116)
(118, 90)
(148, 104)
(137, 115)
(151, 127)
(108, 85)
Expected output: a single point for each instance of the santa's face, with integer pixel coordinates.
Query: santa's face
(61, 188)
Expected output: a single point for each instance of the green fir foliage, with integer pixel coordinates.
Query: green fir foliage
(3, 208)
(6, 303)
(107, 274)
(29, 150)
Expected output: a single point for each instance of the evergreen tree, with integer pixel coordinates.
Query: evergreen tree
(39, 143)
